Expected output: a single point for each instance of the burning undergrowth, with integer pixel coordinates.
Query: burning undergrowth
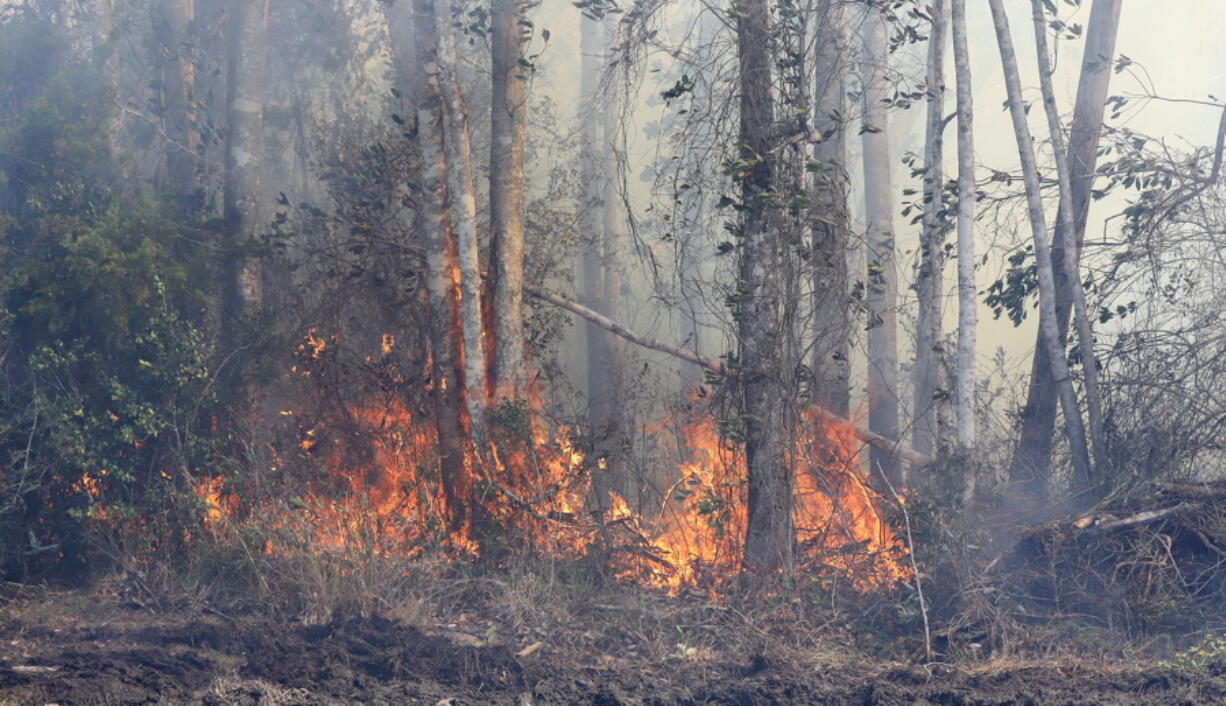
(354, 468)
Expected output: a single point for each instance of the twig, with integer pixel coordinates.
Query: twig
(919, 584)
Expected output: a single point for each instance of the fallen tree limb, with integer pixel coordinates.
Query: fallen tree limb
(1107, 523)
(617, 329)
(1206, 491)
(712, 365)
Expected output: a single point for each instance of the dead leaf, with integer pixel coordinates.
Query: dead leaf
(33, 669)
(530, 649)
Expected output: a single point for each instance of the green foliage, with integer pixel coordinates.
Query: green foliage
(105, 374)
(1211, 649)
(514, 417)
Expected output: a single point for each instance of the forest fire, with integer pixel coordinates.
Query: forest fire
(369, 482)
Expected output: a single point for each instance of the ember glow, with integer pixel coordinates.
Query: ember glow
(371, 483)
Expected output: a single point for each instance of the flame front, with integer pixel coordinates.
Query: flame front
(368, 480)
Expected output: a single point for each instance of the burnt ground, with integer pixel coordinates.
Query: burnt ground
(78, 651)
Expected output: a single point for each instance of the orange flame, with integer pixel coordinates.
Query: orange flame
(369, 481)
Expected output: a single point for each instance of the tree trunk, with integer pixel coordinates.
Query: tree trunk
(1032, 455)
(507, 133)
(1085, 338)
(244, 153)
(179, 84)
(603, 362)
(112, 71)
(967, 291)
(442, 264)
(463, 207)
(831, 362)
(882, 279)
(768, 544)
(1038, 225)
(929, 284)
(612, 294)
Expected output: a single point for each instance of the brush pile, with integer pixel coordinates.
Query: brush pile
(1150, 559)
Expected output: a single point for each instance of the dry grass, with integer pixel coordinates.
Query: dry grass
(231, 689)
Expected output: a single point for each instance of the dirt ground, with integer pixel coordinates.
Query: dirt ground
(78, 652)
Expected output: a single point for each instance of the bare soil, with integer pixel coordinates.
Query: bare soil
(70, 651)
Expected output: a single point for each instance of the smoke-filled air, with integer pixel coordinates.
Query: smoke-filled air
(456, 352)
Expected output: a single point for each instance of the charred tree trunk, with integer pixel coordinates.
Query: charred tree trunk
(929, 382)
(463, 207)
(1032, 455)
(768, 545)
(507, 133)
(1038, 224)
(831, 362)
(881, 277)
(442, 266)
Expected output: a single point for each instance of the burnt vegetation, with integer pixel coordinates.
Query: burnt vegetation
(519, 351)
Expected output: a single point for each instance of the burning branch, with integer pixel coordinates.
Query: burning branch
(712, 365)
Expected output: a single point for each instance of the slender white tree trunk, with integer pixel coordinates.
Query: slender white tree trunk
(1038, 224)
(882, 278)
(1085, 337)
(967, 312)
(929, 285)
(1033, 451)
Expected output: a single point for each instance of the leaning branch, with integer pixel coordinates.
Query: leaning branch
(617, 329)
(712, 365)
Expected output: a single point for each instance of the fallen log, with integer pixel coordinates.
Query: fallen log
(890, 446)
(1200, 491)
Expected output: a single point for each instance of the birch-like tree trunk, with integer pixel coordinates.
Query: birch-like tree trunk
(1085, 337)
(463, 207)
(881, 277)
(442, 264)
(768, 545)
(1032, 455)
(508, 121)
(1038, 224)
(831, 362)
(929, 355)
(967, 291)
(244, 157)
